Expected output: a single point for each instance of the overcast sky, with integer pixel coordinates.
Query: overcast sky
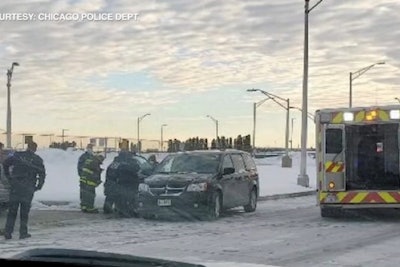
(182, 60)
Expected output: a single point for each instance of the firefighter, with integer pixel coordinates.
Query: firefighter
(127, 182)
(89, 170)
(26, 174)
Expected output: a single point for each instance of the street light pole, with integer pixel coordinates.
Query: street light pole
(255, 106)
(9, 76)
(355, 75)
(162, 137)
(62, 135)
(350, 89)
(287, 128)
(139, 119)
(291, 136)
(254, 126)
(216, 129)
(286, 160)
(303, 178)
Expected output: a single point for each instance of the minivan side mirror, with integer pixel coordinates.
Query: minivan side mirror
(228, 171)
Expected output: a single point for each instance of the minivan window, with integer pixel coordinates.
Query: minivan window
(227, 163)
(144, 164)
(190, 163)
(250, 165)
(238, 163)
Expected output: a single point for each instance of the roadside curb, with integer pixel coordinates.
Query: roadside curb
(288, 195)
(54, 202)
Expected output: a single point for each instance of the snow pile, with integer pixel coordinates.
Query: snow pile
(277, 180)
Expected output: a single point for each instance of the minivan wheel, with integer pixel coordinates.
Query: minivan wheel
(252, 201)
(215, 207)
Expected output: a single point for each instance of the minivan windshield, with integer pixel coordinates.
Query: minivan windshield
(145, 166)
(189, 163)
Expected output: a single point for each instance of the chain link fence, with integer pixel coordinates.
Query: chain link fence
(19, 140)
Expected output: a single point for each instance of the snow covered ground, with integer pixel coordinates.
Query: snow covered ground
(62, 182)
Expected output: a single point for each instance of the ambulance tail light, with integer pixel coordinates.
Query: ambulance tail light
(395, 114)
(348, 116)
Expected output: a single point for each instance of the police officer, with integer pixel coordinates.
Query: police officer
(89, 170)
(110, 186)
(26, 174)
(126, 179)
(153, 160)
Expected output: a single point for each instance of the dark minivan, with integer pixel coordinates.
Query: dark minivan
(200, 183)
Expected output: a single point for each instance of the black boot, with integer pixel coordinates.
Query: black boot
(7, 236)
(23, 236)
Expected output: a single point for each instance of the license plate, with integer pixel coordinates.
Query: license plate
(331, 199)
(164, 202)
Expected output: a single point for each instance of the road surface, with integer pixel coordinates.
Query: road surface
(286, 232)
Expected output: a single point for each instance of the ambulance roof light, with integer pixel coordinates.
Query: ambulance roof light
(371, 115)
(395, 114)
(348, 116)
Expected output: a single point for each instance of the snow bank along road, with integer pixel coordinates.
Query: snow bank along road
(285, 232)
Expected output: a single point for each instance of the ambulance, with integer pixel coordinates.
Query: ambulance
(357, 158)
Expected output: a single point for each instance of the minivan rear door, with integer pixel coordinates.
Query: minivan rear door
(228, 183)
(241, 180)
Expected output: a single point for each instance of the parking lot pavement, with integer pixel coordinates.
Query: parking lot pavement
(285, 232)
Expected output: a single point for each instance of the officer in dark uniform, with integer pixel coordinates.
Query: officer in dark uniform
(153, 160)
(126, 182)
(89, 170)
(110, 186)
(26, 174)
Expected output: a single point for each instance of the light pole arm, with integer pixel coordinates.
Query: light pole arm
(355, 75)
(314, 6)
(211, 117)
(309, 115)
(259, 103)
(270, 95)
(142, 117)
(283, 106)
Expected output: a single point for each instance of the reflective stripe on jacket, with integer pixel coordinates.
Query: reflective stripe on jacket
(88, 182)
